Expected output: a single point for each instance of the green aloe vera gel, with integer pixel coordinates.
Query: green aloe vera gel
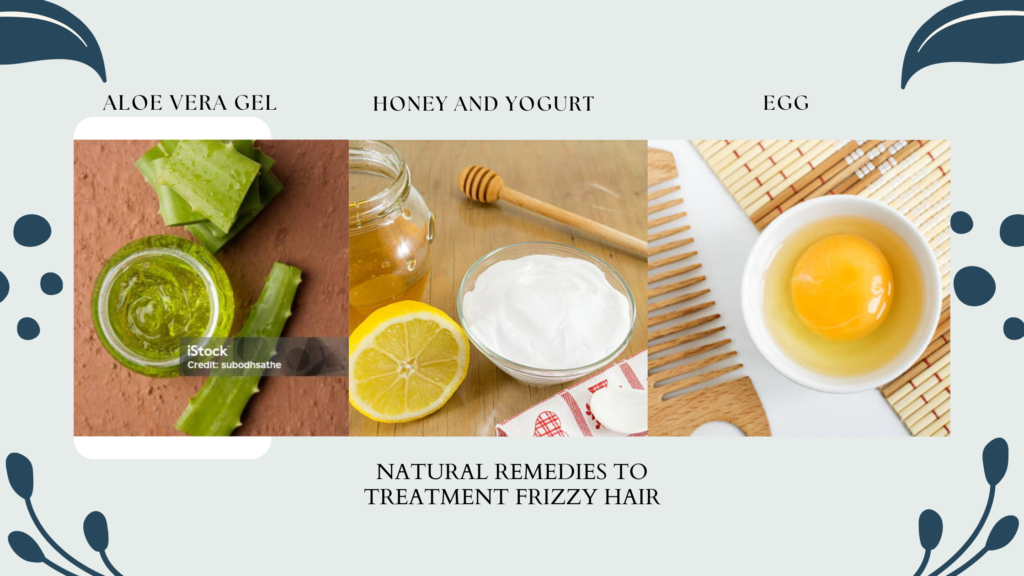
(152, 293)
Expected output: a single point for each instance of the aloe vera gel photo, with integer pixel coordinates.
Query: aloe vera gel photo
(210, 287)
(152, 293)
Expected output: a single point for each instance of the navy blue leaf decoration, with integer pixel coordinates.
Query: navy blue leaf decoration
(995, 457)
(96, 531)
(33, 30)
(1002, 533)
(979, 31)
(19, 474)
(25, 547)
(929, 528)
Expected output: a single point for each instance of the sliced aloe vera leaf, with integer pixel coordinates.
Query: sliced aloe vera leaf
(252, 199)
(162, 149)
(173, 208)
(216, 410)
(213, 239)
(266, 162)
(270, 186)
(212, 177)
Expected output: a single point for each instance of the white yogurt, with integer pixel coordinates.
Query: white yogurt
(547, 312)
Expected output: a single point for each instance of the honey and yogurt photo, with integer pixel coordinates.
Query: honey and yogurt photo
(801, 287)
(497, 288)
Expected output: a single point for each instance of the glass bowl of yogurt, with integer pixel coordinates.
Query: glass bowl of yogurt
(546, 313)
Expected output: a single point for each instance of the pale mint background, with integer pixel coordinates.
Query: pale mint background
(658, 70)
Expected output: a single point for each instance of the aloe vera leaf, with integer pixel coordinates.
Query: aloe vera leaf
(216, 410)
(213, 239)
(266, 162)
(173, 208)
(252, 199)
(270, 186)
(212, 177)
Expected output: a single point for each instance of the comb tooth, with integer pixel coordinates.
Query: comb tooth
(681, 327)
(664, 220)
(679, 313)
(695, 351)
(652, 264)
(670, 246)
(657, 377)
(666, 233)
(661, 193)
(674, 272)
(677, 385)
(676, 300)
(655, 292)
(664, 206)
(685, 339)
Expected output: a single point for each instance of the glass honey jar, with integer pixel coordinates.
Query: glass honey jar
(390, 231)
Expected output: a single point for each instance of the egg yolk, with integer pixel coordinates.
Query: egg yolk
(842, 287)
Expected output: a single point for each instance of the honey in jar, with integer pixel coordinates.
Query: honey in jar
(390, 231)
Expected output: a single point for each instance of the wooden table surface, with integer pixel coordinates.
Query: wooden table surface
(602, 180)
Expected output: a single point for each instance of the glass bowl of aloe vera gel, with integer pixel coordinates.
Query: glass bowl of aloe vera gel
(152, 293)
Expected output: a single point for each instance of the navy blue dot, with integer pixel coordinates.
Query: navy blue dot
(961, 222)
(1013, 328)
(974, 286)
(5, 287)
(31, 230)
(51, 284)
(1011, 231)
(28, 328)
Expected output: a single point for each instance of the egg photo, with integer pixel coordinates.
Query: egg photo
(799, 287)
(843, 296)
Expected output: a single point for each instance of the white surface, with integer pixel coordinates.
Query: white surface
(723, 236)
(172, 447)
(797, 217)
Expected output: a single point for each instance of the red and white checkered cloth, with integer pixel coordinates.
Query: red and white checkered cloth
(568, 412)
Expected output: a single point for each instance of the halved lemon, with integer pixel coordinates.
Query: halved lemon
(405, 361)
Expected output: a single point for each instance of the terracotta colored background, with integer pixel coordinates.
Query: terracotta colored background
(306, 226)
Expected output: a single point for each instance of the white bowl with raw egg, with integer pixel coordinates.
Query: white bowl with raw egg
(841, 294)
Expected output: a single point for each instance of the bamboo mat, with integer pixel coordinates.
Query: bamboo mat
(686, 340)
(767, 177)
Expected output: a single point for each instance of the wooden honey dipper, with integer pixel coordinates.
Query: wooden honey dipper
(484, 185)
